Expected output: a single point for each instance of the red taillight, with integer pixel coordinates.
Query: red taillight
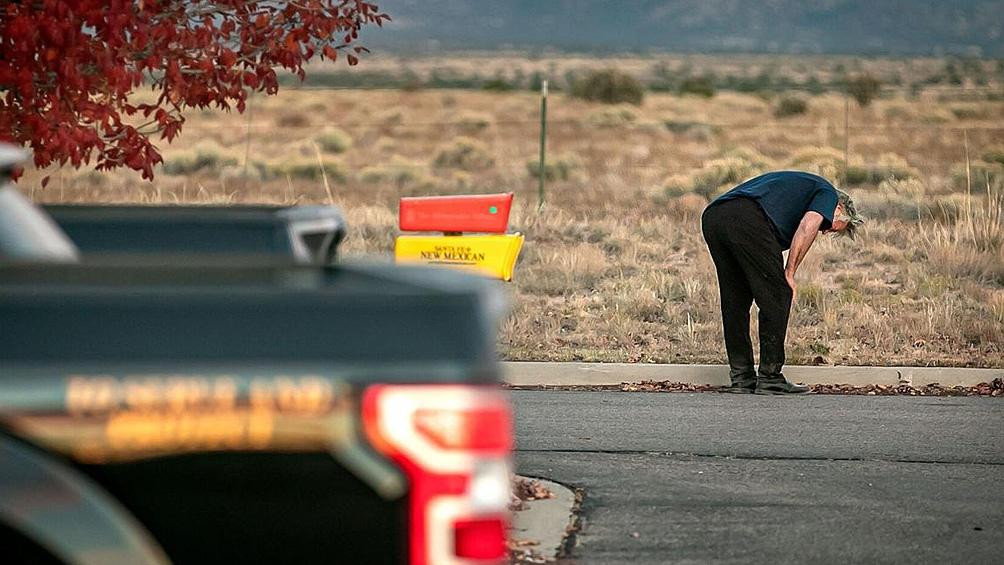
(453, 442)
(479, 539)
(485, 430)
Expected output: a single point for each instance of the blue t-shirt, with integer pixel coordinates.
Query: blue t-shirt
(785, 196)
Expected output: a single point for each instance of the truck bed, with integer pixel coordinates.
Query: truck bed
(379, 315)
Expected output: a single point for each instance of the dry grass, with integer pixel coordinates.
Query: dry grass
(615, 268)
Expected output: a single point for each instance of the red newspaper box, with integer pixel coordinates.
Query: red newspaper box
(486, 213)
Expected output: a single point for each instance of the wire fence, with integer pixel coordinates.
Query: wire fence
(320, 126)
(655, 147)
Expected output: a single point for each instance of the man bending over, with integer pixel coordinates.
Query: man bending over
(746, 229)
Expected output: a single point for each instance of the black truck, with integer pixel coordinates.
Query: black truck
(178, 407)
(306, 234)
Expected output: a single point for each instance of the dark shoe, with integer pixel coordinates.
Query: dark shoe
(739, 388)
(778, 385)
(741, 383)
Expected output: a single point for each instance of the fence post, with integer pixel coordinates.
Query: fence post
(969, 180)
(847, 132)
(543, 144)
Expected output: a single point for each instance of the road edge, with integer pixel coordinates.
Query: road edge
(537, 373)
(547, 521)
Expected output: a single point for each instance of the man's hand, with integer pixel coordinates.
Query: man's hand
(790, 277)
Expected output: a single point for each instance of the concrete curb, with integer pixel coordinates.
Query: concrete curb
(545, 521)
(532, 373)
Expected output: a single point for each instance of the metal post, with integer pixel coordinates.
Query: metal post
(543, 144)
(847, 132)
(969, 184)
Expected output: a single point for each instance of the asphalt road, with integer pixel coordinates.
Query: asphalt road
(699, 478)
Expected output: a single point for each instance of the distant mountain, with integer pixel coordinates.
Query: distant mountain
(873, 27)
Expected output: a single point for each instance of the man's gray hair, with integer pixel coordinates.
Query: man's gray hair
(854, 218)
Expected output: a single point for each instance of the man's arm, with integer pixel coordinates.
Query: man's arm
(800, 244)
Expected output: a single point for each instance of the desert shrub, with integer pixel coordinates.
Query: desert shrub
(980, 173)
(465, 154)
(856, 175)
(887, 204)
(935, 115)
(789, 105)
(896, 167)
(682, 126)
(613, 117)
(863, 88)
(498, 84)
(824, 161)
(970, 112)
(255, 171)
(334, 140)
(471, 122)
(888, 166)
(205, 156)
(451, 78)
(687, 206)
(609, 86)
(677, 185)
(994, 155)
(307, 169)
(536, 82)
(694, 130)
(877, 206)
(910, 187)
(292, 120)
(564, 167)
(899, 112)
(365, 79)
(756, 159)
(761, 83)
(718, 175)
(398, 171)
(698, 86)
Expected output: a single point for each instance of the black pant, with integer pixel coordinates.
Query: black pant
(748, 259)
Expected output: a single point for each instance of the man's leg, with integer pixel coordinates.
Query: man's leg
(773, 298)
(759, 254)
(736, 300)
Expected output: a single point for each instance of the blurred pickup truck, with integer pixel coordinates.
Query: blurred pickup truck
(307, 234)
(185, 409)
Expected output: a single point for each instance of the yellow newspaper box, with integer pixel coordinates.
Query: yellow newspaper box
(492, 255)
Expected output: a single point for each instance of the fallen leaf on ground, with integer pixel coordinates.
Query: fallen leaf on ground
(994, 388)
